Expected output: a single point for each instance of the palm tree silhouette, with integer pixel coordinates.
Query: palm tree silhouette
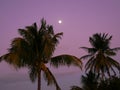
(99, 56)
(34, 49)
(89, 82)
(112, 83)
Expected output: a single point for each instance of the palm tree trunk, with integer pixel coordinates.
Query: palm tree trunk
(39, 80)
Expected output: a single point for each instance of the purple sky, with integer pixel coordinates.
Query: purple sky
(81, 19)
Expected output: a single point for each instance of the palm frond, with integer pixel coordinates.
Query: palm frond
(115, 49)
(22, 49)
(49, 77)
(75, 88)
(110, 53)
(50, 29)
(86, 56)
(65, 60)
(32, 30)
(113, 63)
(58, 35)
(13, 59)
(114, 71)
(2, 58)
(90, 64)
(56, 38)
(19, 54)
(89, 50)
(43, 25)
(25, 35)
(33, 73)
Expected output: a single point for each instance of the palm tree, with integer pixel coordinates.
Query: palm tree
(99, 56)
(90, 81)
(112, 83)
(34, 49)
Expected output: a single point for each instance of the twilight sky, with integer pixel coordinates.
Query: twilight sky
(81, 19)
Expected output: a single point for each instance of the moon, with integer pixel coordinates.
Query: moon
(59, 21)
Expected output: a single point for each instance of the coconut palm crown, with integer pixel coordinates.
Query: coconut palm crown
(99, 55)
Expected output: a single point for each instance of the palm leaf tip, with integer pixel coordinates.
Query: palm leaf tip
(61, 33)
(0, 58)
(115, 49)
(67, 60)
(58, 35)
(3, 57)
